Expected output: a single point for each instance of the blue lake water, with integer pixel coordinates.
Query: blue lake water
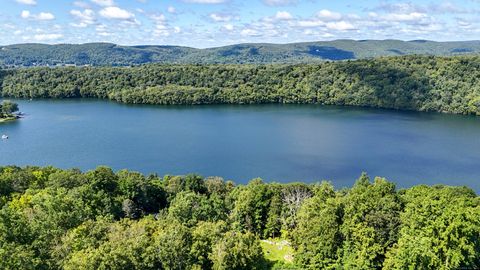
(282, 143)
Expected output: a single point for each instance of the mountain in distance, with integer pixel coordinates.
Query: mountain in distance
(101, 54)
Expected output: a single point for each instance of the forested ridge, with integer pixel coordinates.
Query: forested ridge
(67, 219)
(107, 54)
(423, 83)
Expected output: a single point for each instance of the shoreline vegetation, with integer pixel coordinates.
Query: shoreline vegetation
(9, 119)
(416, 83)
(68, 219)
(7, 111)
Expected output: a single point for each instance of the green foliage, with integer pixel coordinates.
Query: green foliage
(176, 184)
(250, 212)
(273, 225)
(106, 54)
(372, 226)
(173, 244)
(318, 238)
(7, 108)
(370, 223)
(204, 236)
(146, 195)
(122, 245)
(190, 208)
(37, 219)
(440, 230)
(101, 219)
(422, 83)
(237, 250)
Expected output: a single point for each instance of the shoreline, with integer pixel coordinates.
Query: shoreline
(9, 119)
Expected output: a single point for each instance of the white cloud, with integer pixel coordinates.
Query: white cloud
(279, 2)
(158, 18)
(101, 28)
(328, 15)
(217, 17)
(161, 32)
(310, 23)
(42, 16)
(228, 27)
(81, 4)
(283, 15)
(205, 1)
(464, 24)
(116, 13)
(250, 32)
(27, 2)
(340, 26)
(449, 8)
(86, 17)
(402, 19)
(25, 14)
(171, 9)
(405, 17)
(47, 37)
(45, 16)
(79, 25)
(104, 34)
(9, 26)
(104, 3)
(162, 28)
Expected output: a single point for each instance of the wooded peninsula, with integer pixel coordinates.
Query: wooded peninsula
(420, 83)
(67, 219)
(7, 110)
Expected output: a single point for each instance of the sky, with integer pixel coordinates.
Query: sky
(212, 23)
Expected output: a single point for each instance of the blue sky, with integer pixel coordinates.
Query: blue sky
(210, 23)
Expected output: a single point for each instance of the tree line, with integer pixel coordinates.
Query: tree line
(68, 219)
(422, 83)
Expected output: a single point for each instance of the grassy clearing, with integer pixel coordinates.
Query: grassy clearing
(278, 251)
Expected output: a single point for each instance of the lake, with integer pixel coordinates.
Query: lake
(282, 143)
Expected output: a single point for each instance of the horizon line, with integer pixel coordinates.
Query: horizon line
(243, 43)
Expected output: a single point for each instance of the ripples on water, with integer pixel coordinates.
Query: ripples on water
(276, 142)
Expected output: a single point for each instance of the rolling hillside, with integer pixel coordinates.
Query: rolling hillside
(100, 54)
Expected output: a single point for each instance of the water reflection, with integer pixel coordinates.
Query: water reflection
(275, 142)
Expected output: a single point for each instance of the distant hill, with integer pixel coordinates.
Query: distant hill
(100, 54)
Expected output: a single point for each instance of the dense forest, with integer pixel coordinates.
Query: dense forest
(107, 54)
(66, 219)
(423, 83)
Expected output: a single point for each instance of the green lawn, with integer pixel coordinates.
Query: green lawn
(278, 250)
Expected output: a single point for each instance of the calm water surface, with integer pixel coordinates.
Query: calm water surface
(276, 142)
